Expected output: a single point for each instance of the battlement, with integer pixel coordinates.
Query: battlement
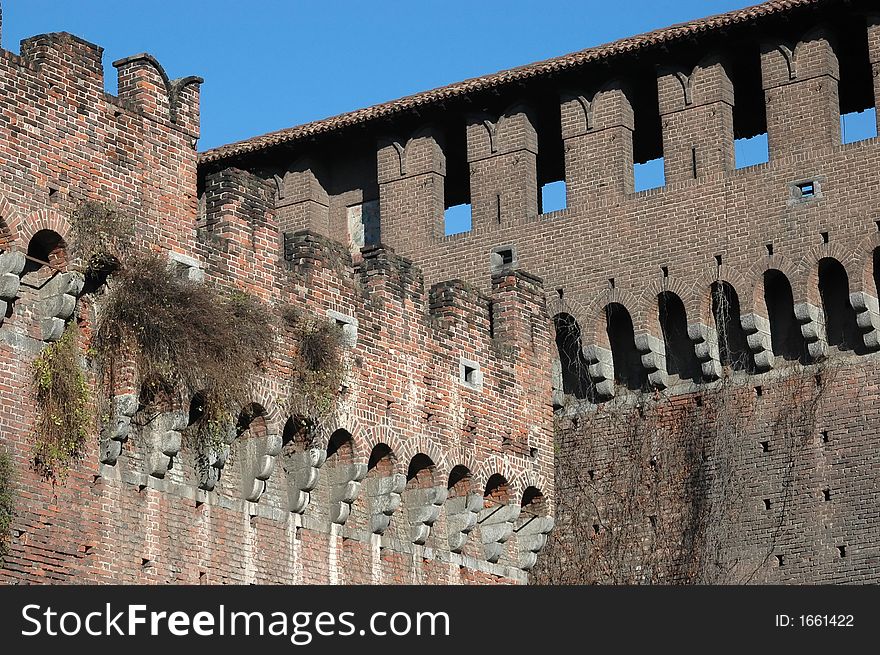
(436, 456)
(788, 71)
(756, 274)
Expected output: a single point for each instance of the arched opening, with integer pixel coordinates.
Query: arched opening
(251, 422)
(841, 328)
(198, 405)
(381, 460)
(785, 333)
(680, 357)
(497, 491)
(628, 369)
(45, 247)
(575, 376)
(459, 480)
(336, 475)
(155, 394)
(420, 469)
(533, 502)
(733, 349)
(340, 447)
(876, 272)
(422, 497)
(296, 435)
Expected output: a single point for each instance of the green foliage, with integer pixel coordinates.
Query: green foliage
(186, 337)
(62, 405)
(318, 367)
(7, 505)
(100, 236)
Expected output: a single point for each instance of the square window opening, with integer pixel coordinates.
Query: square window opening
(552, 197)
(858, 125)
(470, 374)
(751, 151)
(457, 219)
(649, 175)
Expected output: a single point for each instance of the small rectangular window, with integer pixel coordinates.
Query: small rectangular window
(649, 175)
(457, 219)
(553, 197)
(469, 373)
(807, 189)
(502, 257)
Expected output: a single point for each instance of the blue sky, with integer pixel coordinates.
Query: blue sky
(270, 64)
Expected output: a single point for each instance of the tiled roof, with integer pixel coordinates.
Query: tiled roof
(557, 64)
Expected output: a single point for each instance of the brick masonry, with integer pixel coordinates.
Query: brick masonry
(457, 385)
(806, 220)
(440, 462)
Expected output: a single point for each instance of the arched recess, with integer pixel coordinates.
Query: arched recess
(628, 369)
(46, 246)
(162, 420)
(211, 441)
(423, 497)
(785, 333)
(532, 527)
(301, 460)
(463, 506)
(733, 350)
(680, 357)
(383, 487)
(497, 517)
(841, 328)
(338, 486)
(875, 270)
(259, 445)
(574, 366)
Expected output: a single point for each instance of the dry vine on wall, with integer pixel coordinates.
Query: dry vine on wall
(656, 489)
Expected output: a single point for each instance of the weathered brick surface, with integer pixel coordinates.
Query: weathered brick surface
(722, 445)
(612, 249)
(135, 517)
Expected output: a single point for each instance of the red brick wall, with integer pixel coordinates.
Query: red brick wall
(113, 517)
(710, 223)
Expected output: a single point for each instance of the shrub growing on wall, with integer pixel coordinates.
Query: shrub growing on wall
(63, 415)
(186, 336)
(6, 503)
(318, 366)
(100, 236)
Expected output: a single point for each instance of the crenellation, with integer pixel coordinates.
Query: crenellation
(502, 158)
(696, 111)
(411, 189)
(598, 143)
(801, 87)
(67, 61)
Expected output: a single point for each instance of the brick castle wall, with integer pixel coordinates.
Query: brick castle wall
(438, 459)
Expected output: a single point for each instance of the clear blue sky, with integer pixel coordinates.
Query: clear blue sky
(270, 64)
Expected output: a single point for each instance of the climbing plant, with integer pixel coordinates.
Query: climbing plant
(659, 491)
(100, 235)
(7, 505)
(191, 338)
(62, 402)
(318, 365)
